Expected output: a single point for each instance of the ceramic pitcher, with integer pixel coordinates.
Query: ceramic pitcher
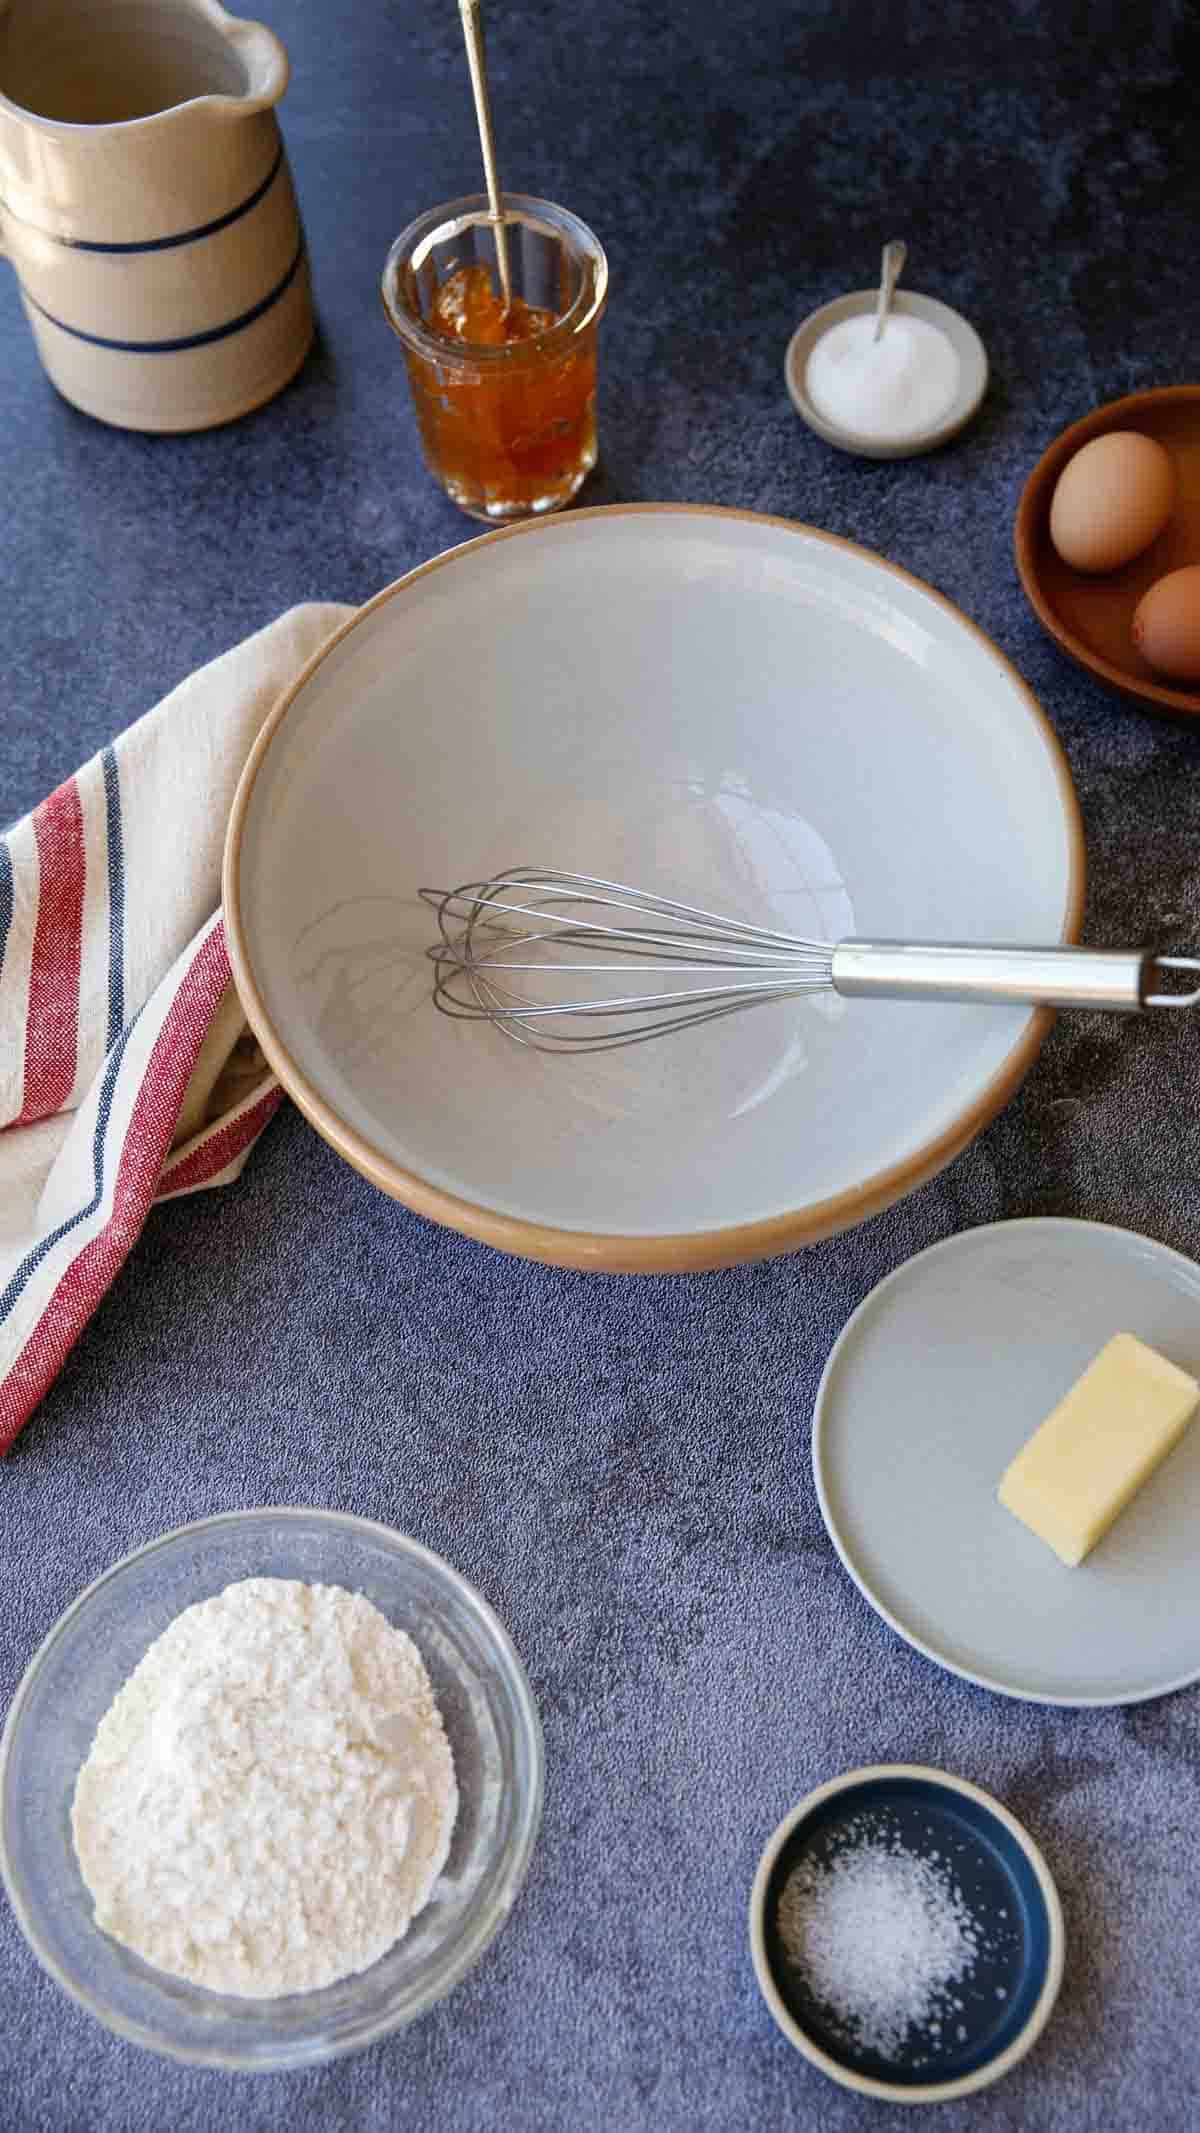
(147, 207)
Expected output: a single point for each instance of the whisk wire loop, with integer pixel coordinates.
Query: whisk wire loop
(519, 923)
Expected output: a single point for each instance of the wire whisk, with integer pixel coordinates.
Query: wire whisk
(571, 962)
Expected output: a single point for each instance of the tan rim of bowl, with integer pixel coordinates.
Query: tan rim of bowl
(689, 1251)
(894, 2092)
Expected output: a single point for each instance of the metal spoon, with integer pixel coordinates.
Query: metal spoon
(895, 252)
(472, 24)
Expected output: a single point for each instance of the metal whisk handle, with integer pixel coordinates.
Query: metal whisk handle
(1115, 978)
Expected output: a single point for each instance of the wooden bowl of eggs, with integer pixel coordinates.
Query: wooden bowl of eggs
(1107, 541)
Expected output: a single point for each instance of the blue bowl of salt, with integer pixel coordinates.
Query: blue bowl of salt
(906, 1933)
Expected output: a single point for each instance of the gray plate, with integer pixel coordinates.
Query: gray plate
(934, 1384)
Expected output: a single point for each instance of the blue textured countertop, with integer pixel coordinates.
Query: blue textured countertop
(622, 1465)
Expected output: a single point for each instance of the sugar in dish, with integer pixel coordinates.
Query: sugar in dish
(897, 386)
(908, 392)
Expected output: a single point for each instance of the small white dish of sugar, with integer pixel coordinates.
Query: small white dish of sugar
(886, 393)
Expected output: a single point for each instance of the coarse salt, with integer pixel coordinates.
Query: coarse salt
(881, 1936)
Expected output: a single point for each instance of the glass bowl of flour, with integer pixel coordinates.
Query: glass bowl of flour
(343, 1739)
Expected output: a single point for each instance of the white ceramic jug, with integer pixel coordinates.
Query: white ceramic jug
(147, 207)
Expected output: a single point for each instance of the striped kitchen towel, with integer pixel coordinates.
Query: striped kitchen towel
(127, 1072)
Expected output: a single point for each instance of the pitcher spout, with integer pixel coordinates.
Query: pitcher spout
(263, 59)
(112, 64)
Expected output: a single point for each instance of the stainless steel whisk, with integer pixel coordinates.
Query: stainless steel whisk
(542, 926)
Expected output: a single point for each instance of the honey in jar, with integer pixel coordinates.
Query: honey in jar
(504, 395)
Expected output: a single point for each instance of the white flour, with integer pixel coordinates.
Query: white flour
(268, 1800)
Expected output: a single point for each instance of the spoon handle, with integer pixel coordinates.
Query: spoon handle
(895, 252)
(472, 24)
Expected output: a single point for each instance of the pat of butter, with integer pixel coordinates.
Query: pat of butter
(1104, 1439)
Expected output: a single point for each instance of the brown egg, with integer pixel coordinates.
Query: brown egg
(1111, 500)
(1166, 624)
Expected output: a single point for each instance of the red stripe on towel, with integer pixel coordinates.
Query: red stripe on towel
(52, 1030)
(147, 1138)
(199, 1167)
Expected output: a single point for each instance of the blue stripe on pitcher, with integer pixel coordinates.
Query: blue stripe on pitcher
(164, 244)
(205, 229)
(187, 340)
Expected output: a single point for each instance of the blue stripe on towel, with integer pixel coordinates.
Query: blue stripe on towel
(34, 1258)
(6, 897)
(116, 898)
(187, 340)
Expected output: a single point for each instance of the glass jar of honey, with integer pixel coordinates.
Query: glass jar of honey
(505, 396)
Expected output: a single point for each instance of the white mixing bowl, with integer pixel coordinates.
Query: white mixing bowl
(738, 711)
